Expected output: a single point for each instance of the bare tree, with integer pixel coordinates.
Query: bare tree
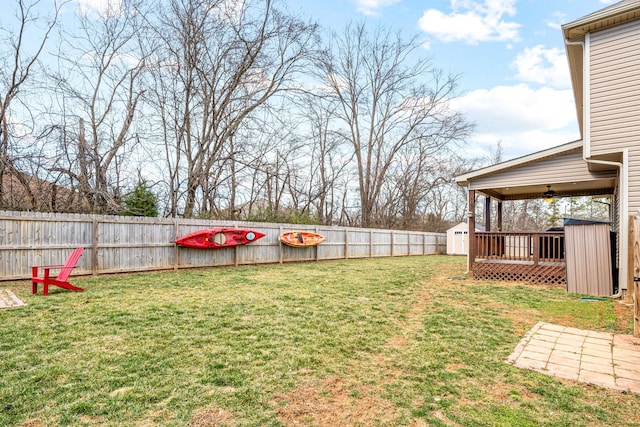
(416, 186)
(390, 100)
(218, 63)
(98, 87)
(23, 37)
(328, 160)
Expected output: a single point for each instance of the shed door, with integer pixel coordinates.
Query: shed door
(460, 242)
(588, 256)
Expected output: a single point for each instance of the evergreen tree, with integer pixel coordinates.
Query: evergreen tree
(555, 217)
(141, 201)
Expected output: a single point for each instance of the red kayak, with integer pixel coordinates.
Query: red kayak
(215, 238)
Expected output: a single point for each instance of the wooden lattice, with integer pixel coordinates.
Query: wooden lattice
(534, 274)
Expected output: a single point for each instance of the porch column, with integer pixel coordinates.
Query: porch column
(499, 215)
(471, 215)
(487, 214)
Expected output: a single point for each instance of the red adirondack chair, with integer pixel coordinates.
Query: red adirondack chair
(61, 280)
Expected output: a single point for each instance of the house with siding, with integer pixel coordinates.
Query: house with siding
(604, 60)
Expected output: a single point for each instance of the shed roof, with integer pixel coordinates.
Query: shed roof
(465, 226)
(459, 226)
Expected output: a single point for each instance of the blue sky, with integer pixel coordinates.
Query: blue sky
(510, 55)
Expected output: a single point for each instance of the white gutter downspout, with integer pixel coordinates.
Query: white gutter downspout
(623, 167)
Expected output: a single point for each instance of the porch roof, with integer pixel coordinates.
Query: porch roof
(527, 177)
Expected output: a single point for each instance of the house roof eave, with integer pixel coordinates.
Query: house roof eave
(610, 16)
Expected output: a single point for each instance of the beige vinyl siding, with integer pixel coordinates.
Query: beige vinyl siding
(615, 99)
(615, 88)
(568, 168)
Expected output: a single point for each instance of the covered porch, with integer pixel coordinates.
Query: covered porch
(533, 256)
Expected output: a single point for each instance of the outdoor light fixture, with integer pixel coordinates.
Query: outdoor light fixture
(549, 194)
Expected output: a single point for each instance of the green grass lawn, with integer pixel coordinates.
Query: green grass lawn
(388, 341)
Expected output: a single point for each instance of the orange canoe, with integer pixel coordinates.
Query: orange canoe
(301, 239)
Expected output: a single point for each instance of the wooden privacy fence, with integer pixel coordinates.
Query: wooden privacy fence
(128, 244)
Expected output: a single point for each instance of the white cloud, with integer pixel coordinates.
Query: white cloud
(230, 11)
(524, 119)
(472, 22)
(556, 20)
(543, 66)
(103, 7)
(372, 7)
(512, 108)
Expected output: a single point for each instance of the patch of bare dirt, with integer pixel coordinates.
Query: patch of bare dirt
(397, 342)
(566, 319)
(211, 417)
(439, 415)
(501, 392)
(454, 367)
(381, 368)
(624, 316)
(333, 402)
(523, 319)
(412, 324)
(497, 392)
(418, 423)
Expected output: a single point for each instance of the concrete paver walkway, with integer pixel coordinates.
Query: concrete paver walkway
(8, 299)
(599, 358)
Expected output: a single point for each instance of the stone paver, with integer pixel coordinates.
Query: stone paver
(598, 358)
(8, 299)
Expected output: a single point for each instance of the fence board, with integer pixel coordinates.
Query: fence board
(125, 244)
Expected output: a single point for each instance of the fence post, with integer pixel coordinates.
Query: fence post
(235, 250)
(94, 249)
(370, 243)
(280, 248)
(392, 242)
(346, 243)
(176, 253)
(317, 231)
